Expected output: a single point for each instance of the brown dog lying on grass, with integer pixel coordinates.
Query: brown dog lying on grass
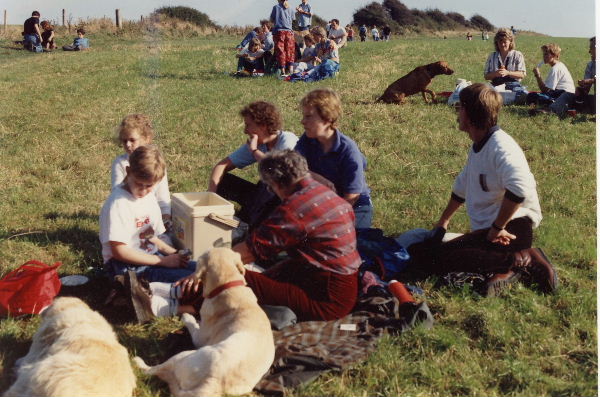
(74, 353)
(415, 82)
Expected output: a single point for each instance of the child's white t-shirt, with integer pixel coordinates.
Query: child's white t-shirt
(129, 220)
(559, 78)
(161, 190)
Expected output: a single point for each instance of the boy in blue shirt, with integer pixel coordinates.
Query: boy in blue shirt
(333, 158)
(80, 43)
(304, 16)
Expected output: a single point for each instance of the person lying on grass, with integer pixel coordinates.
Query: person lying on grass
(130, 222)
(500, 195)
(313, 225)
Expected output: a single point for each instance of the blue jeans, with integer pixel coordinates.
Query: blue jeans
(150, 273)
(562, 103)
(32, 43)
(363, 215)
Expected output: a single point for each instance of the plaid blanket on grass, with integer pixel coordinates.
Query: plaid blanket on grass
(307, 349)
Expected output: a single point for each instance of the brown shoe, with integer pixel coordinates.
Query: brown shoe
(500, 281)
(536, 268)
(141, 298)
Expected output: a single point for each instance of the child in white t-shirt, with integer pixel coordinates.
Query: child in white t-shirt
(130, 222)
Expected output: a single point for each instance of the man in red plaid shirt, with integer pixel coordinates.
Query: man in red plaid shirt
(316, 228)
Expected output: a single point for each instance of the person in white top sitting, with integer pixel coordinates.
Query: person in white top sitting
(337, 33)
(499, 192)
(558, 90)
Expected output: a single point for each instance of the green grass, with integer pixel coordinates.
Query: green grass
(59, 111)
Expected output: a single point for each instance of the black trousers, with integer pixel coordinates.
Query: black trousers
(472, 252)
(256, 201)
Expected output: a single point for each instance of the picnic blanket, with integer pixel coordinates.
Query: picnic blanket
(307, 349)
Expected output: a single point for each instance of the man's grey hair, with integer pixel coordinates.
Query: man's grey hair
(282, 167)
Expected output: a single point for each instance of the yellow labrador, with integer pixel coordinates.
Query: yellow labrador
(74, 353)
(234, 336)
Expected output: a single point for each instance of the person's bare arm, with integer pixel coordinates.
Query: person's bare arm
(121, 252)
(222, 167)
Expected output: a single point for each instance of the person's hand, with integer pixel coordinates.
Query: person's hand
(252, 142)
(190, 285)
(174, 261)
(536, 72)
(501, 237)
(502, 72)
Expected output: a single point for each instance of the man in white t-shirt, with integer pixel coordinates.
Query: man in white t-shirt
(499, 192)
(338, 33)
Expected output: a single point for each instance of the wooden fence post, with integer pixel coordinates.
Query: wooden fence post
(63, 17)
(118, 18)
(4, 21)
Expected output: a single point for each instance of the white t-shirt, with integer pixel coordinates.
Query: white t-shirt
(131, 221)
(559, 78)
(338, 35)
(161, 190)
(499, 166)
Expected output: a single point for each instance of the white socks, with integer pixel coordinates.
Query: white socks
(164, 300)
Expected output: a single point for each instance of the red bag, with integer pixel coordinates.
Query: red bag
(29, 289)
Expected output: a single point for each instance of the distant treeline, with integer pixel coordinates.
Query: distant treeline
(392, 13)
(401, 19)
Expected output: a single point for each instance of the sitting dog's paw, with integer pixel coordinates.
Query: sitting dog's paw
(188, 319)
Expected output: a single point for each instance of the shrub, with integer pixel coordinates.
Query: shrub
(373, 14)
(399, 12)
(481, 23)
(187, 14)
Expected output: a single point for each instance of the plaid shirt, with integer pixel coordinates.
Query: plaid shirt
(313, 224)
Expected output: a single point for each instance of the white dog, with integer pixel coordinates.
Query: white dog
(74, 353)
(234, 336)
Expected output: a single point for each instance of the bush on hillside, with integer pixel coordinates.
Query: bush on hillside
(187, 14)
(316, 21)
(458, 18)
(373, 14)
(481, 23)
(399, 12)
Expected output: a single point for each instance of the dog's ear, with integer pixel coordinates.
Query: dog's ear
(201, 266)
(239, 264)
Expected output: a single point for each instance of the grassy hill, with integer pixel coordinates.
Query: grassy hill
(58, 114)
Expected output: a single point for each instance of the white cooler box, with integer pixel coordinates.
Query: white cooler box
(201, 221)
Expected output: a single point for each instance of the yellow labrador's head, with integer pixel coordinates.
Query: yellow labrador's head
(219, 266)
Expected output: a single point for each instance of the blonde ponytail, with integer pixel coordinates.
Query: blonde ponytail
(285, 4)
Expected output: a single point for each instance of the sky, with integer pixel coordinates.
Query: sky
(560, 18)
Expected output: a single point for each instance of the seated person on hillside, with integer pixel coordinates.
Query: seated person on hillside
(506, 64)
(337, 33)
(500, 195)
(558, 90)
(268, 45)
(48, 36)
(80, 42)
(307, 60)
(315, 227)
(327, 60)
(583, 100)
(130, 222)
(262, 125)
(333, 158)
(251, 59)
